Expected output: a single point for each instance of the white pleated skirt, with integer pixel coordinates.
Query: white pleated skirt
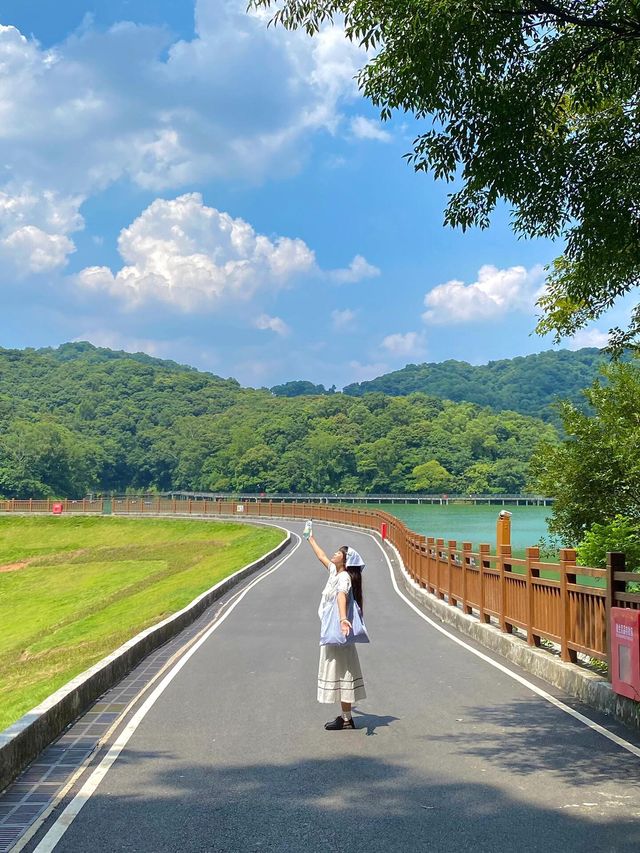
(339, 675)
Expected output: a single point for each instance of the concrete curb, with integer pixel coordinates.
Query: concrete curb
(21, 742)
(586, 686)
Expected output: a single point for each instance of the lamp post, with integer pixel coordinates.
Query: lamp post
(503, 529)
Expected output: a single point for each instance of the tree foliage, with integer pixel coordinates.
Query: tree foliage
(620, 534)
(530, 384)
(300, 388)
(531, 102)
(81, 419)
(594, 474)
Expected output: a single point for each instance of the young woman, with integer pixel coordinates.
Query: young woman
(339, 674)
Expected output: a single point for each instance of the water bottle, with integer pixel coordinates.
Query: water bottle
(308, 529)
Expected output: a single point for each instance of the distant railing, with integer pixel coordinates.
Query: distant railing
(47, 505)
(569, 608)
(359, 497)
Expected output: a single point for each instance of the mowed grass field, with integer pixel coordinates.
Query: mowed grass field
(74, 589)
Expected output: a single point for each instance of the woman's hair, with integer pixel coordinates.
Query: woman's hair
(355, 573)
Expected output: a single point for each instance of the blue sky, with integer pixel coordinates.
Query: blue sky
(181, 180)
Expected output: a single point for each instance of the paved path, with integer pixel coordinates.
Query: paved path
(450, 754)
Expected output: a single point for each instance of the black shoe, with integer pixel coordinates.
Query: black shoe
(338, 724)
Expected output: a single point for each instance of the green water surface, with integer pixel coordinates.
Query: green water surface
(475, 524)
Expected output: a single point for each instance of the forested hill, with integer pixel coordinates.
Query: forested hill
(529, 384)
(81, 419)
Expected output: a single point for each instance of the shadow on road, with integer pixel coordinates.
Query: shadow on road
(371, 722)
(346, 802)
(526, 736)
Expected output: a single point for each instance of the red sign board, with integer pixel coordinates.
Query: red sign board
(625, 652)
(57, 508)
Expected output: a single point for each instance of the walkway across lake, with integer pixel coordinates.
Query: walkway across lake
(450, 754)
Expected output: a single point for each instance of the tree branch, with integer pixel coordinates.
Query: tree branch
(552, 11)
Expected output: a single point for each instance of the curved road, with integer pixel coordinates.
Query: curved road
(450, 754)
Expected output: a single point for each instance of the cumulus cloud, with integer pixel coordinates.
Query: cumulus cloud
(366, 128)
(34, 229)
(273, 324)
(495, 293)
(588, 338)
(238, 99)
(187, 254)
(358, 269)
(408, 344)
(342, 319)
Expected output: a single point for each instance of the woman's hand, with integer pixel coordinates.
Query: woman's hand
(345, 627)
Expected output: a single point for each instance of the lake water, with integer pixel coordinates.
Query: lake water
(476, 524)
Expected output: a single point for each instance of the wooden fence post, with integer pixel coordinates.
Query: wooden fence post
(421, 560)
(439, 550)
(567, 576)
(504, 552)
(431, 544)
(532, 556)
(483, 554)
(615, 563)
(451, 547)
(466, 550)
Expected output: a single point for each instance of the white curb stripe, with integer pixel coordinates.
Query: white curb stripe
(70, 813)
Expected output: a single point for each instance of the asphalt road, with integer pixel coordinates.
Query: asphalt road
(450, 754)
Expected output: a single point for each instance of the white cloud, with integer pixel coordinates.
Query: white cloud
(366, 128)
(185, 253)
(358, 269)
(408, 344)
(273, 324)
(238, 100)
(495, 293)
(363, 372)
(588, 338)
(342, 319)
(189, 255)
(33, 250)
(34, 229)
(118, 341)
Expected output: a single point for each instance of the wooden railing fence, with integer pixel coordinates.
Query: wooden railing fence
(559, 602)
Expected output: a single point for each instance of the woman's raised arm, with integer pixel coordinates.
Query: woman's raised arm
(326, 562)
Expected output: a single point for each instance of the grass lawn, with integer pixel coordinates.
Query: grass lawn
(83, 586)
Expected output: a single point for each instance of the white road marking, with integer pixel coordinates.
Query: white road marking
(70, 813)
(596, 727)
(67, 817)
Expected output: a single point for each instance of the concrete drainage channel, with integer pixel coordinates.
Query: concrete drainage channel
(59, 747)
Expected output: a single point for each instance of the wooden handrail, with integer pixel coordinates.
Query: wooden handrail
(511, 590)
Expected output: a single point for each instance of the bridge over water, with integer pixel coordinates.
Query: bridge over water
(411, 498)
(225, 750)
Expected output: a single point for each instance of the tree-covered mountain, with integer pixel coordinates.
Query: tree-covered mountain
(80, 418)
(528, 384)
(300, 388)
